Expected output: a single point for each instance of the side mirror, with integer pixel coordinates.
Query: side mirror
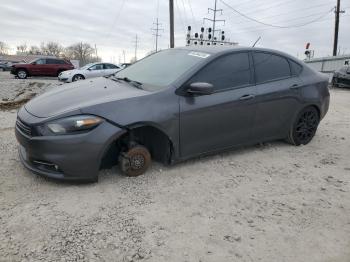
(89, 69)
(34, 63)
(200, 88)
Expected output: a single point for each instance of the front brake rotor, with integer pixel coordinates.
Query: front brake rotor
(135, 161)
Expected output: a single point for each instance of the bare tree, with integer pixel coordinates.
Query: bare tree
(34, 50)
(3, 48)
(81, 51)
(52, 48)
(22, 49)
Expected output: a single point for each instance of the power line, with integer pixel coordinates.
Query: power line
(193, 18)
(180, 16)
(288, 13)
(293, 19)
(272, 25)
(116, 18)
(274, 28)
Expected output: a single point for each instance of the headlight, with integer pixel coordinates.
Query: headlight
(70, 125)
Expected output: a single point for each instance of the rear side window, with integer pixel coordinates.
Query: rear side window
(229, 71)
(295, 68)
(269, 67)
(53, 61)
(110, 66)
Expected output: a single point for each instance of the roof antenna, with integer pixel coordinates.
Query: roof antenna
(256, 41)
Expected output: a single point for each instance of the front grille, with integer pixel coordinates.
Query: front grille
(26, 129)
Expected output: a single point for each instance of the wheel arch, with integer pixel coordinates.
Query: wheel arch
(148, 134)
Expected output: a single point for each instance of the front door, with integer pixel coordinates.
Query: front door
(224, 118)
(96, 70)
(39, 67)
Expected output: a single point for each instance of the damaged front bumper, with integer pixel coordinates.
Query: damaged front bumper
(67, 157)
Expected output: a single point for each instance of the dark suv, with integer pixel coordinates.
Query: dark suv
(41, 67)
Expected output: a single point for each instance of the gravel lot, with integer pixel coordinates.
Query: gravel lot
(272, 202)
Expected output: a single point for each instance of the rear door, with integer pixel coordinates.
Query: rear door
(52, 66)
(224, 118)
(278, 94)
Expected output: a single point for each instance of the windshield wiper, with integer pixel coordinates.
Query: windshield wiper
(133, 82)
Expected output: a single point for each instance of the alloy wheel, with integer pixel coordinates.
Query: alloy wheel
(306, 126)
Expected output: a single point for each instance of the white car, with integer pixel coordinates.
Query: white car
(88, 71)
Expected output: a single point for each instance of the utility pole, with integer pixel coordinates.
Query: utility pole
(171, 15)
(136, 45)
(336, 28)
(96, 51)
(156, 34)
(124, 55)
(214, 20)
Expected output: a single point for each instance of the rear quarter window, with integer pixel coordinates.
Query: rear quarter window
(295, 68)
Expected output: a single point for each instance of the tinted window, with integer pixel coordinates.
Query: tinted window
(110, 66)
(295, 68)
(97, 67)
(226, 72)
(52, 61)
(270, 67)
(60, 62)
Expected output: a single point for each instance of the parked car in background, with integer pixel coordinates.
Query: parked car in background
(171, 106)
(3, 67)
(41, 67)
(125, 65)
(89, 71)
(341, 77)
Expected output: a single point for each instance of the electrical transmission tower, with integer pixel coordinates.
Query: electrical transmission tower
(214, 20)
(156, 32)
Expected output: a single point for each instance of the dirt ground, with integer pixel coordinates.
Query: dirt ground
(272, 202)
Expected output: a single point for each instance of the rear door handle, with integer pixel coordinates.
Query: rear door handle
(295, 86)
(247, 97)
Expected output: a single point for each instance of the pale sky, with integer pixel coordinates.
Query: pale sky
(113, 24)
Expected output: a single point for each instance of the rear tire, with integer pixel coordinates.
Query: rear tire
(304, 127)
(135, 161)
(78, 77)
(22, 74)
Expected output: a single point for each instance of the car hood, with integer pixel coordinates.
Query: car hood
(77, 95)
(71, 72)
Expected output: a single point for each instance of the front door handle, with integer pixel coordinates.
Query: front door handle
(295, 86)
(247, 97)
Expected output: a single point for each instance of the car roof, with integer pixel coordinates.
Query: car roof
(221, 49)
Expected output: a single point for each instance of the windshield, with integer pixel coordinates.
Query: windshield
(161, 69)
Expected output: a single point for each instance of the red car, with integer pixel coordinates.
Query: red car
(41, 67)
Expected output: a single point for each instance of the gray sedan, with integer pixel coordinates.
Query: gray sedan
(171, 106)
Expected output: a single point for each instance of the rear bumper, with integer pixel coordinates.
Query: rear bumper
(67, 157)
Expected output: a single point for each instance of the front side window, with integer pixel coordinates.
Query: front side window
(97, 67)
(269, 67)
(229, 71)
(40, 61)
